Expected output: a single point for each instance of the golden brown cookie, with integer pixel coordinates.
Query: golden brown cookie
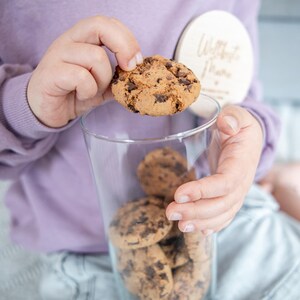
(146, 272)
(139, 223)
(198, 246)
(162, 171)
(190, 282)
(174, 247)
(157, 87)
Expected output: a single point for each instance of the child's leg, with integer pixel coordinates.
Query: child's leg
(258, 255)
(284, 183)
(70, 276)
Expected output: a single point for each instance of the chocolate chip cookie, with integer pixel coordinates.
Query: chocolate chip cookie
(139, 223)
(162, 171)
(174, 247)
(190, 282)
(157, 87)
(198, 246)
(146, 272)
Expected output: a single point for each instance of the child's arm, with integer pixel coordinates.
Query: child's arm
(210, 204)
(72, 76)
(247, 153)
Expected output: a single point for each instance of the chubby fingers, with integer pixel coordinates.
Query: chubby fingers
(201, 209)
(70, 77)
(207, 203)
(212, 222)
(92, 58)
(101, 30)
(213, 186)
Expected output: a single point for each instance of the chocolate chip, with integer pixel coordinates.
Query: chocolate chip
(163, 276)
(130, 229)
(169, 65)
(160, 98)
(181, 73)
(179, 169)
(159, 265)
(178, 106)
(148, 60)
(161, 224)
(160, 177)
(142, 219)
(189, 87)
(131, 107)
(115, 78)
(131, 86)
(146, 232)
(164, 164)
(184, 81)
(150, 272)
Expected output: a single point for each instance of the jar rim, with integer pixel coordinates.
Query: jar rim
(171, 137)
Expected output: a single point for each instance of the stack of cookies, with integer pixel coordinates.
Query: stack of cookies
(154, 258)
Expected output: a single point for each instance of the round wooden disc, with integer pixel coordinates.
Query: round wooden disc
(217, 48)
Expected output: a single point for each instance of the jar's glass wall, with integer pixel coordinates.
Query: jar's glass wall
(137, 163)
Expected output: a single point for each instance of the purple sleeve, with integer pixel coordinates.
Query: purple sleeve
(271, 128)
(247, 12)
(23, 138)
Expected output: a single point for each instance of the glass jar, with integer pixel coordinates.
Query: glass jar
(138, 162)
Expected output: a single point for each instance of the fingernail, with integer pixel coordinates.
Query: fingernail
(183, 199)
(132, 64)
(232, 122)
(139, 58)
(189, 228)
(175, 217)
(207, 232)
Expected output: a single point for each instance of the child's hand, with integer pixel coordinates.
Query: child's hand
(210, 204)
(75, 72)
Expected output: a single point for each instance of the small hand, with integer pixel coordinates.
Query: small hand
(210, 203)
(75, 72)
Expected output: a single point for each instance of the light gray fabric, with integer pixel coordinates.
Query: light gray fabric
(259, 253)
(20, 270)
(258, 259)
(82, 277)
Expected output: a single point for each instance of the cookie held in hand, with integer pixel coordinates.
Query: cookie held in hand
(157, 87)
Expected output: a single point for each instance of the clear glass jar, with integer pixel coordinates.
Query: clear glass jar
(136, 172)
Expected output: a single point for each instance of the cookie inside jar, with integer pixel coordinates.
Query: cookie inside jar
(154, 259)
